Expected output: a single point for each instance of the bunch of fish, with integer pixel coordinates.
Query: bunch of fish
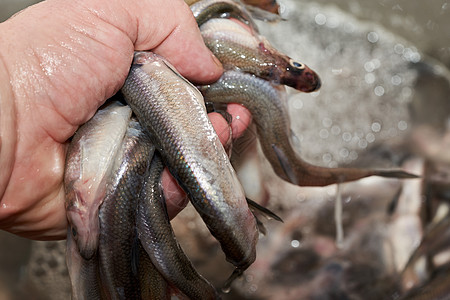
(120, 242)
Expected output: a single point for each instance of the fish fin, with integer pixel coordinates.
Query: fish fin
(252, 204)
(260, 225)
(227, 285)
(394, 202)
(395, 174)
(284, 163)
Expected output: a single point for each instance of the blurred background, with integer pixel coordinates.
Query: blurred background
(385, 102)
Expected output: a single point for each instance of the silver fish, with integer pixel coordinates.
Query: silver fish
(88, 166)
(158, 239)
(236, 48)
(267, 104)
(173, 112)
(118, 243)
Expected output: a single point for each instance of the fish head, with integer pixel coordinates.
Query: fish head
(287, 71)
(300, 77)
(83, 224)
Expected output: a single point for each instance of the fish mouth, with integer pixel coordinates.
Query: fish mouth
(312, 84)
(317, 86)
(87, 249)
(84, 234)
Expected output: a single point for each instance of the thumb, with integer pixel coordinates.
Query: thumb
(166, 27)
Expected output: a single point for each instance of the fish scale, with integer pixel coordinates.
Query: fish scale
(173, 112)
(117, 246)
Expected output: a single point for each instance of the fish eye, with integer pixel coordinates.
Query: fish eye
(296, 64)
(74, 232)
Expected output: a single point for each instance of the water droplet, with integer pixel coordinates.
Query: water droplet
(379, 90)
(320, 19)
(326, 122)
(226, 290)
(369, 78)
(332, 164)
(335, 130)
(353, 155)
(376, 127)
(372, 37)
(415, 57)
(396, 80)
(369, 66)
(348, 200)
(362, 144)
(344, 152)
(295, 243)
(324, 133)
(347, 136)
(326, 157)
(253, 288)
(249, 278)
(370, 137)
(399, 48)
(402, 125)
(301, 197)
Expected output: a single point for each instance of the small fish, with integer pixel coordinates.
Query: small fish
(267, 105)
(237, 48)
(117, 246)
(158, 239)
(173, 112)
(208, 9)
(88, 166)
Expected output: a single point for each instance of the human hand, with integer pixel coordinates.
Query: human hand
(59, 61)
